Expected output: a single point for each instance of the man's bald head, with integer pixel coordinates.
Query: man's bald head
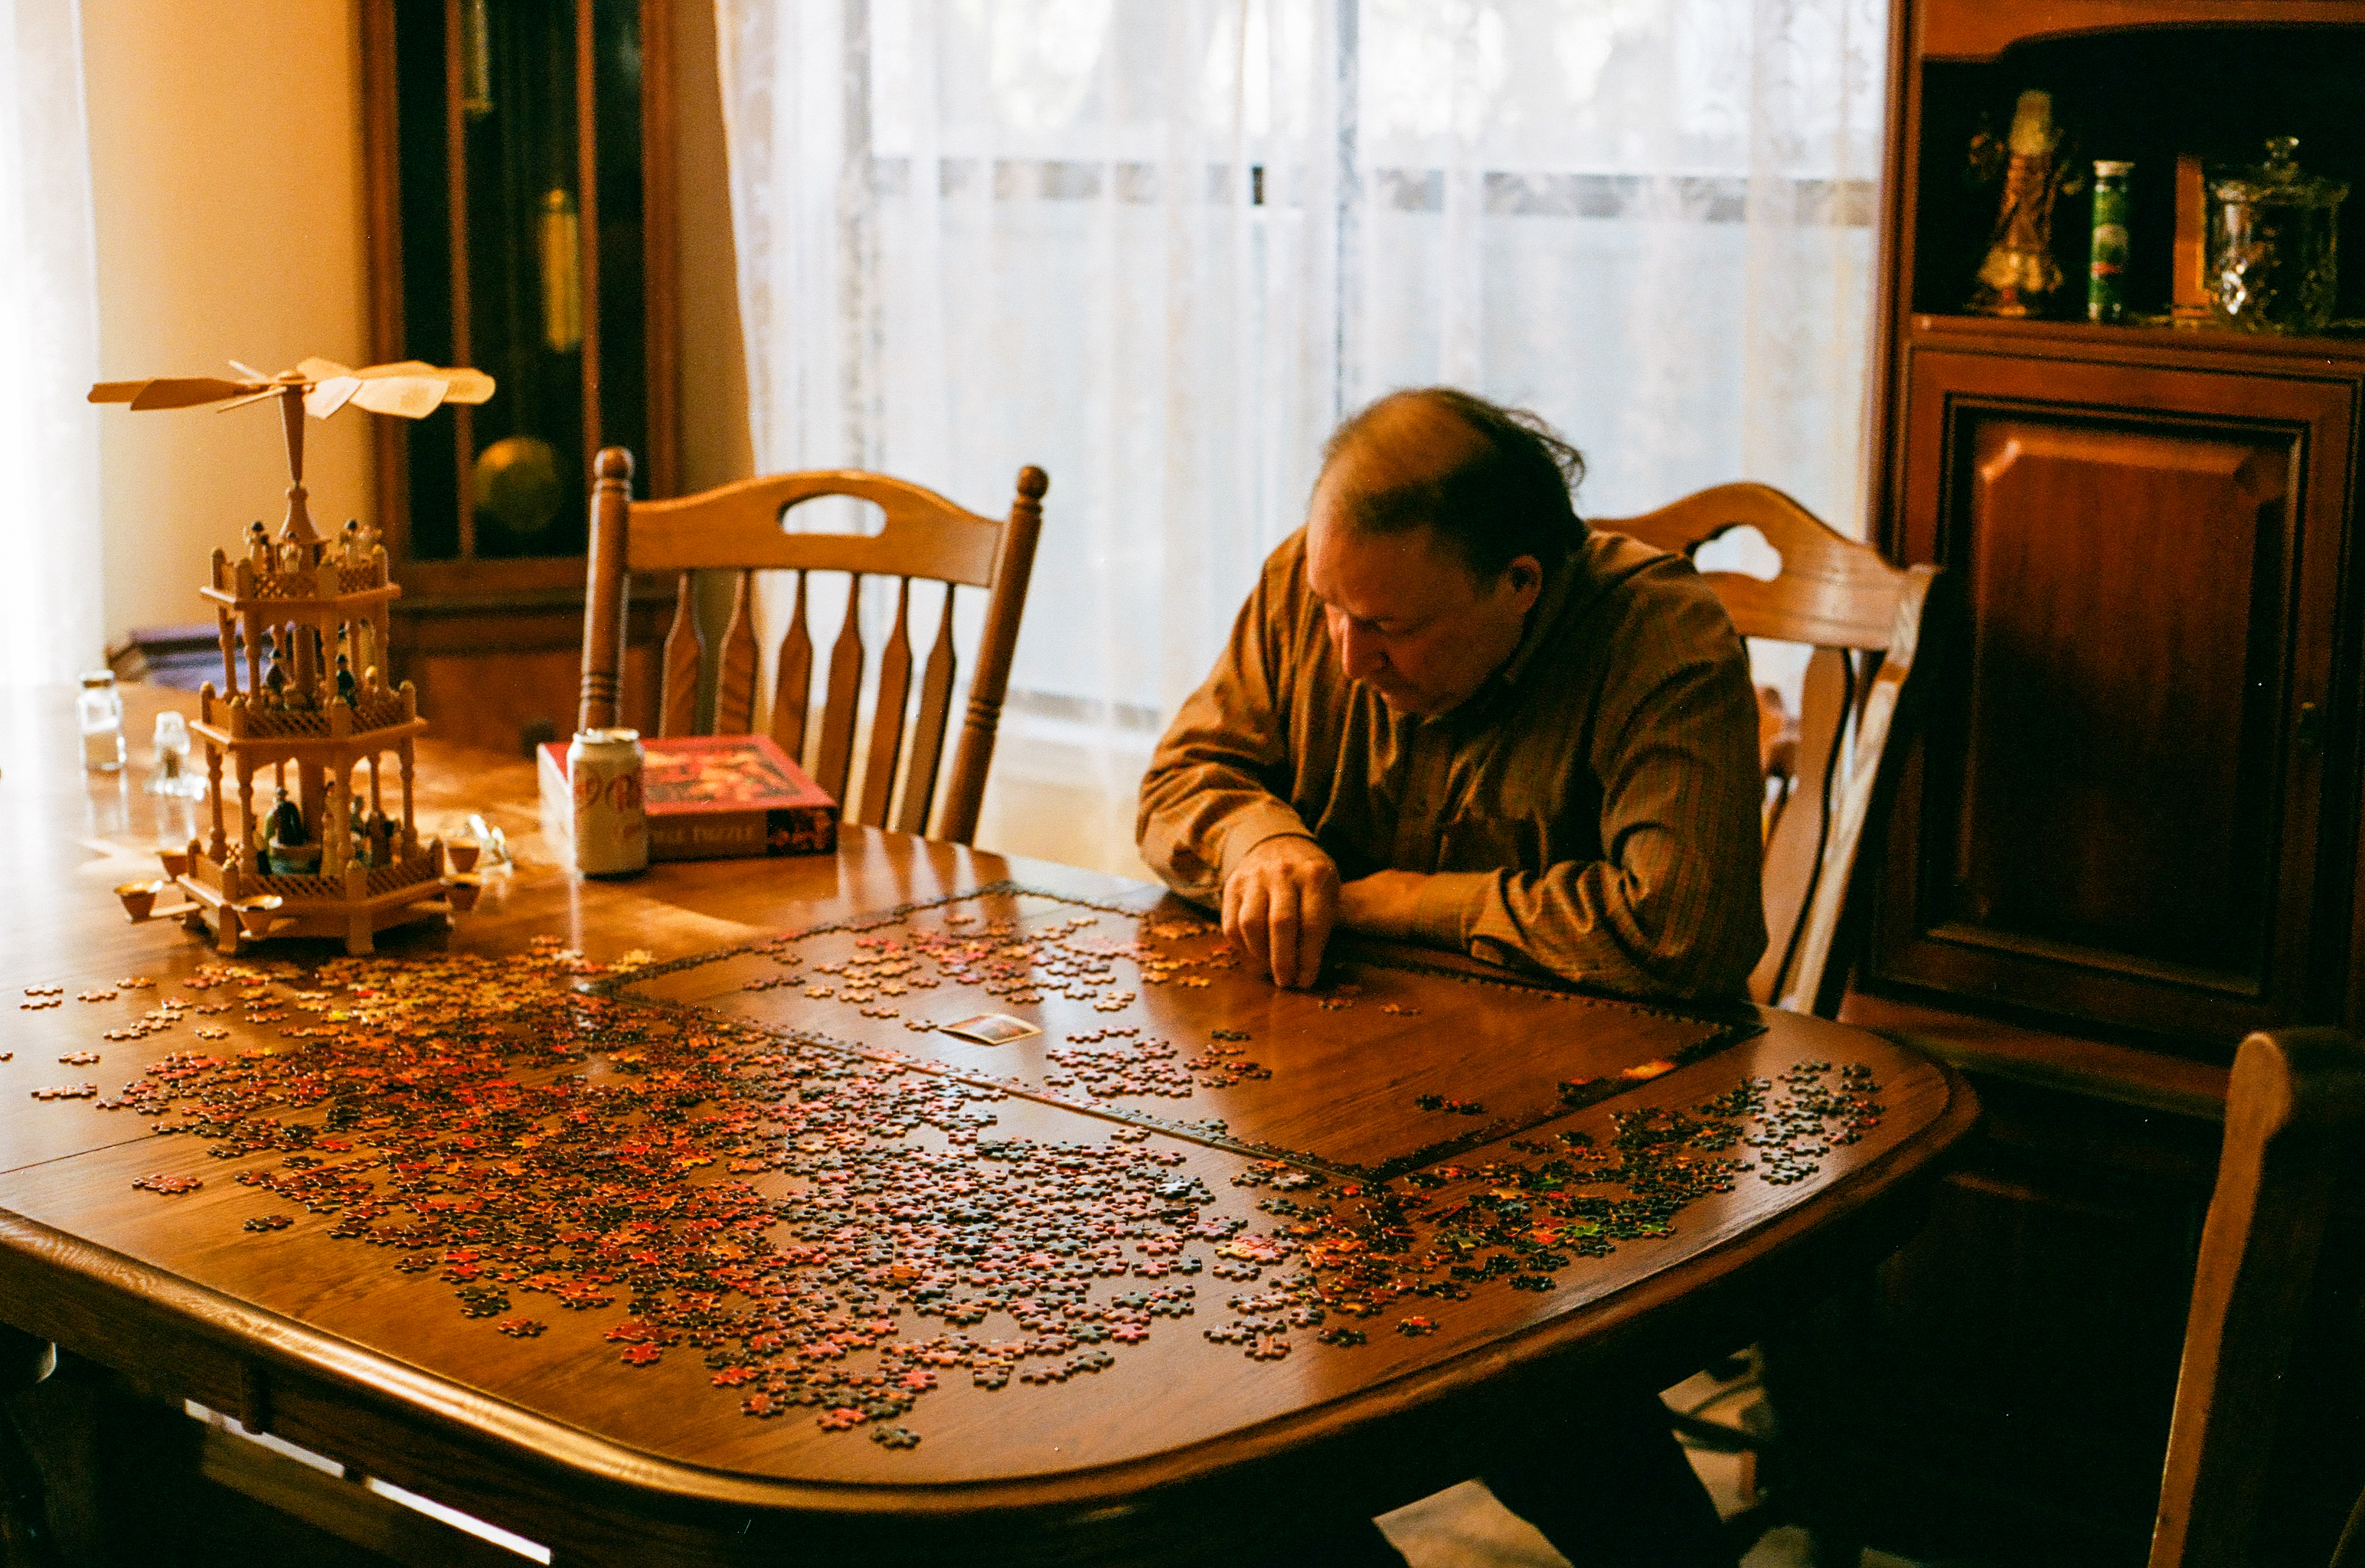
(1493, 482)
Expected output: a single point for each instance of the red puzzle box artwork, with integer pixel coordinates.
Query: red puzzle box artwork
(711, 798)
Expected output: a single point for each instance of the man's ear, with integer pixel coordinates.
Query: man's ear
(1525, 579)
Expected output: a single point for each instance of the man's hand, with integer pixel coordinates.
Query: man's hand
(1278, 903)
(1381, 903)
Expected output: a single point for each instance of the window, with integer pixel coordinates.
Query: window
(1159, 247)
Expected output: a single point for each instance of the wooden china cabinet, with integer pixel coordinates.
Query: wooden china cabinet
(2130, 833)
(519, 176)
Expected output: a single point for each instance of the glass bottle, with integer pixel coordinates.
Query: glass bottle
(100, 713)
(2272, 233)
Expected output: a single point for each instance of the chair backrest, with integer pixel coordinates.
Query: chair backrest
(2292, 1108)
(737, 528)
(1864, 619)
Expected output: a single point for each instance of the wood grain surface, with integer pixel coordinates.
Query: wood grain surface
(1181, 1449)
(2065, 890)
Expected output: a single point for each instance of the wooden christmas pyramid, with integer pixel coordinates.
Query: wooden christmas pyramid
(303, 704)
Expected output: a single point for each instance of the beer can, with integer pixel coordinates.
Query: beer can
(612, 827)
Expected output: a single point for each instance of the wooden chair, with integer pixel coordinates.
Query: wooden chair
(1830, 775)
(2292, 1108)
(2294, 1104)
(1864, 618)
(737, 528)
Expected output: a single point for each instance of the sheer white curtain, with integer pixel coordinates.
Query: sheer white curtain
(51, 620)
(1159, 247)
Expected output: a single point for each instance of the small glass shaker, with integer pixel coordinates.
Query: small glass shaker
(173, 775)
(99, 710)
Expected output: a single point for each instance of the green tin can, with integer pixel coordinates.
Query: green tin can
(2106, 272)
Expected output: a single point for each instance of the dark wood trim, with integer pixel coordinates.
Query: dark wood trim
(2259, 353)
(382, 203)
(2345, 759)
(587, 204)
(455, 155)
(660, 253)
(530, 619)
(342, 1509)
(1980, 32)
(1893, 257)
(2099, 1070)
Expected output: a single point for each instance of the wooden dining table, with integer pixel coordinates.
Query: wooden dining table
(693, 1216)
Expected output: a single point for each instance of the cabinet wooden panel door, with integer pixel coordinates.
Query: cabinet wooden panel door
(2116, 817)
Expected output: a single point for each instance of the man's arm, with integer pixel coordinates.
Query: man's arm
(1214, 824)
(1673, 908)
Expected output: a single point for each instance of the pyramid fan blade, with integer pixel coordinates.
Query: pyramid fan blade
(467, 386)
(116, 391)
(187, 392)
(249, 371)
(318, 370)
(412, 396)
(329, 394)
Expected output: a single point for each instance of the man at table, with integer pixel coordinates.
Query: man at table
(1450, 712)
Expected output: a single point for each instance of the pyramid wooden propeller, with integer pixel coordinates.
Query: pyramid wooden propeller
(411, 388)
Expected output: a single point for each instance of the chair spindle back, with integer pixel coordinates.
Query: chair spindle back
(737, 528)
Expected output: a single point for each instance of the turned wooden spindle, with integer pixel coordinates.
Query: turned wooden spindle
(965, 788)
(298, 526)
(603, 616)
(738, 528)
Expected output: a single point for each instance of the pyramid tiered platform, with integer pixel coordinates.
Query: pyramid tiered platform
(309, 725)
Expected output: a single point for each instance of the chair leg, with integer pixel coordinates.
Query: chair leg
(26, 1540)
(1817, 1381)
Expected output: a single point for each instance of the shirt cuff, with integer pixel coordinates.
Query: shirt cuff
(1250, 825)
(1448, 905)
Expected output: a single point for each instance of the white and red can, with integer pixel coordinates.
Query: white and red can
(612, 825)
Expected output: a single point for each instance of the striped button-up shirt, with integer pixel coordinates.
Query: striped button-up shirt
(1592, 811)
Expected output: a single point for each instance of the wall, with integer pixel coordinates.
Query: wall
(226, 175)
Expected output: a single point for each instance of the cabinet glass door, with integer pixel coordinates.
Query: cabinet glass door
(510, 234)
